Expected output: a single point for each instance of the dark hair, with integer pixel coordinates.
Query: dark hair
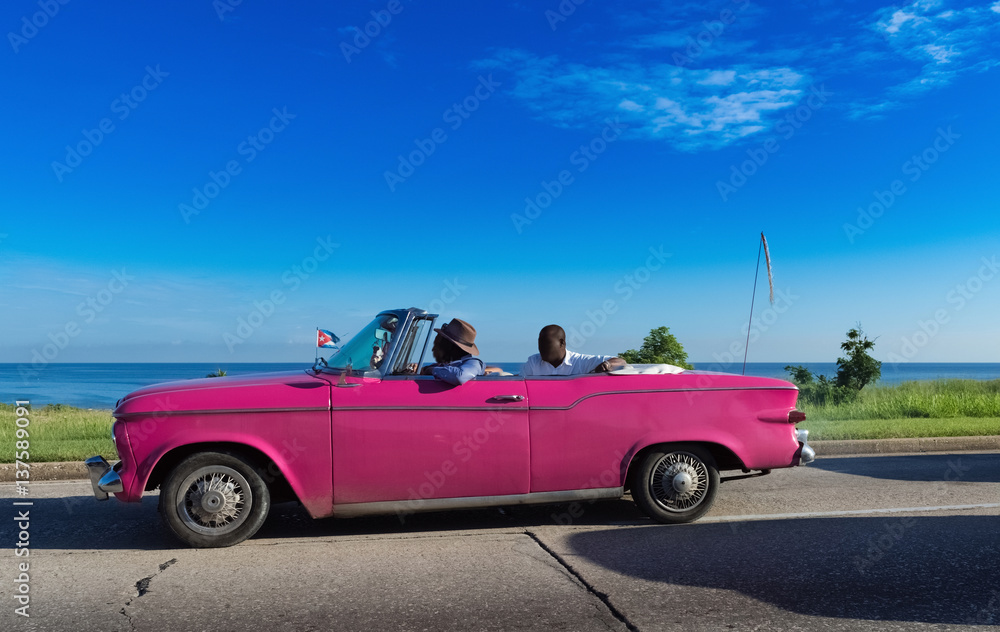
(450, 350)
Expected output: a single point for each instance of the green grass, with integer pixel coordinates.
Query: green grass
(908, 428)
(58, 433)
(939, 399)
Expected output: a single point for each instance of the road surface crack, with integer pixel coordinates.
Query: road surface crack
(141, 588)
(603, 597)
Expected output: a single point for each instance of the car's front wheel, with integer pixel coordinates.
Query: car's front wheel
(214, 499)
(676, 484)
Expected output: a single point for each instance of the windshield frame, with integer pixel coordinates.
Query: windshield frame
(406, 317)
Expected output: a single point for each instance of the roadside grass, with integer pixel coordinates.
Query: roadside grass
(58, 433)
(907, 428)
(938, 399)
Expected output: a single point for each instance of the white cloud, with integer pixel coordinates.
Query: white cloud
(945, 43)
(688, 108)
(719, 78)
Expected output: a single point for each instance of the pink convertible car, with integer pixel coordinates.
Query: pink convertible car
(352, 439)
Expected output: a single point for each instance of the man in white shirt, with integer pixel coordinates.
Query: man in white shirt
(554, 359)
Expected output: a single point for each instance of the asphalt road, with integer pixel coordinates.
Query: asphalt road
(862, 543)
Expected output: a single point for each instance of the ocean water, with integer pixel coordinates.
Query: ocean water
(100, 385)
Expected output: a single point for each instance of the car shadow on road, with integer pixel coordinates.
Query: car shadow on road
(970, 468)
(928, 569)
(80, 523)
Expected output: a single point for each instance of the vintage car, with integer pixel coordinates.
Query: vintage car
(363, 434)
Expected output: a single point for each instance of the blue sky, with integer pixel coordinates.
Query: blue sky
(170, 170)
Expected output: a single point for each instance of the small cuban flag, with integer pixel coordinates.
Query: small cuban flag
(326, 338)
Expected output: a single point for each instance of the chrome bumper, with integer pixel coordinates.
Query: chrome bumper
(103, 477)
(808, 455)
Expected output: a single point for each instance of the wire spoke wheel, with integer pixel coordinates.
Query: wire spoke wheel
(679, 481)
(213, 499)
(676, 483)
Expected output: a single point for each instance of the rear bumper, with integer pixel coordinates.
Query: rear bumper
(806, 453)
(104, 477)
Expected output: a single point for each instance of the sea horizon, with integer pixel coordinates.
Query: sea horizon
(99, 385)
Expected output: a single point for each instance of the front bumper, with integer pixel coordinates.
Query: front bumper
(104, 477)
(807, 454)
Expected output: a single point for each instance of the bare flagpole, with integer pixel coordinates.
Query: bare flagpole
(746, 347)
(770, 284)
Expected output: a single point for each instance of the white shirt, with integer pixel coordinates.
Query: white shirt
(573, 364)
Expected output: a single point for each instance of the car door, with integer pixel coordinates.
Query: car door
(406, 437)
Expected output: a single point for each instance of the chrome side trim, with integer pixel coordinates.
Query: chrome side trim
(219, 411)
(403, 507)
(486, 408)
(668, 390)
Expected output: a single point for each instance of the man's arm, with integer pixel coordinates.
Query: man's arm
(459, 374)
(610, 364)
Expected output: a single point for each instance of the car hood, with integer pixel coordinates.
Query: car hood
(258, 391)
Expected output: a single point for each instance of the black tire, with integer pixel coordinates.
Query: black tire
(214, 499)
(676, 483)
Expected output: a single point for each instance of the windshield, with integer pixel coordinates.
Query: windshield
(367, 350)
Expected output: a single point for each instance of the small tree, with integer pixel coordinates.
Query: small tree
(659, 347)
(800, 375)
(819, 391)
(858, 368)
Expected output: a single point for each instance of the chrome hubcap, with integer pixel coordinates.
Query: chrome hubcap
(683, 482)
(679, 481)
(214, 500)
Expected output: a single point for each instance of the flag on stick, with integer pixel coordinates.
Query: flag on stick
(326, 338)
(767, 259)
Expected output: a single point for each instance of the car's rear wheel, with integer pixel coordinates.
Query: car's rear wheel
(676, 484)
(214, 499)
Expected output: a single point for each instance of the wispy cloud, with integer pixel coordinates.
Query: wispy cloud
(689, 108)
(740, 78)
(935, 43)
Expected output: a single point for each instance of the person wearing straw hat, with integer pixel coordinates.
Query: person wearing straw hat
(456, 353)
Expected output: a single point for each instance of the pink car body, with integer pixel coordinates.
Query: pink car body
(355, 442)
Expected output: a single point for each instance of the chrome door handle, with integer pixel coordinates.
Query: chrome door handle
(509, 398)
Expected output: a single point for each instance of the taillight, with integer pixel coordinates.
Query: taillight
(796, 416)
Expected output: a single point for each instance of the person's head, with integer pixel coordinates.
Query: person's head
(454, 341)
(445, 350)
(552, 344)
